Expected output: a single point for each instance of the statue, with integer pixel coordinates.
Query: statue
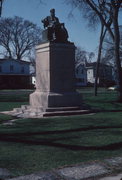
(54, 30)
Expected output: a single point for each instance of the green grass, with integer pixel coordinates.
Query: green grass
(7, 106)
(106, 100)
(4, 118)
(10, 99)
(14, 95)
(31, 145)
(43, 144)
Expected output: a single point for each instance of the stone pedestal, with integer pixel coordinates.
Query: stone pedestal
(55, 93)
(55, 76)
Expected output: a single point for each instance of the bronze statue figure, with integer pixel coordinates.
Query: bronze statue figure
(54, 30)
(52, 20)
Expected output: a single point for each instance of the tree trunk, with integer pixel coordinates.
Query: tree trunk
(1, 2)
(117, 52)
(102, 35)
(9, 52)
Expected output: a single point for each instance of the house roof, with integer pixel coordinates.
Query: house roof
(80, 64)
(93, 64)
(20, 61)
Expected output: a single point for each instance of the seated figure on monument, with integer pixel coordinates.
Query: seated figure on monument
(54, 30)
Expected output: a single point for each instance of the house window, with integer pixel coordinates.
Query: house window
(22, 70)
(80, 80)
(11, 68)
(0, 68)
(82, 71)
(77, 70)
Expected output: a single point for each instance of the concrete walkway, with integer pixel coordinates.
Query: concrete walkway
(96, 170)
(118, 177)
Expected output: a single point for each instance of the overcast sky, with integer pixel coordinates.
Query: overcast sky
(32, 10)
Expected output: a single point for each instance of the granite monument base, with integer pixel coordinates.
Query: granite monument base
(47, 100)
(55, 92)
(39, 112)
(51, 104)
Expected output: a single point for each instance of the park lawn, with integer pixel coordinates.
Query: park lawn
(10, 99)
(15, 95)
(32, 145)
(4, 118)
(8, 106)
(106, 100)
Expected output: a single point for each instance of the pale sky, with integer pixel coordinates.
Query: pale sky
(77, 28)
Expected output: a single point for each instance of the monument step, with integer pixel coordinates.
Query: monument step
(53, 109)
(66, 113)
(28, 107)
(17, 110)
(49, 112)
(24, 107)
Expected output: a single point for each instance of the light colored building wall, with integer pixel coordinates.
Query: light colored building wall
(33, 80)
(14, 74)
(14, 67)
(90, 75)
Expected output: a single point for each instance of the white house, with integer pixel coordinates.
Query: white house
(14, 73)
(105, 73)
(81, 75)
(90, 74)
(85, 74)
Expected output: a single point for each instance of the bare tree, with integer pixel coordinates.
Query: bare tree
(102, 35)
(110, 9)
(101, 40)
(80, 56)
(1, 4)
(18, 36)
(91, 55)
(108, 48)
(93, 22)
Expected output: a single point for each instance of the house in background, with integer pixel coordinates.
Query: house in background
(14, 74)
(81, 75)
(105, 74)
(33, 75)
(90, 74)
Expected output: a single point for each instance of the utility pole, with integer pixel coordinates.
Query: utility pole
(1, 3)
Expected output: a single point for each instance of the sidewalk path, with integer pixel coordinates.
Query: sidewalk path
(96, 170)
(118, 177)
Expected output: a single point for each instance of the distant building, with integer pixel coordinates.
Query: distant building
(105, 74)
(81, 75)
(90, 74)
(14, 73)
(85, 74)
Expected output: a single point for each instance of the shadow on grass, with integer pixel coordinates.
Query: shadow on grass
(25, 138)
(50, 142)
(60, 131)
